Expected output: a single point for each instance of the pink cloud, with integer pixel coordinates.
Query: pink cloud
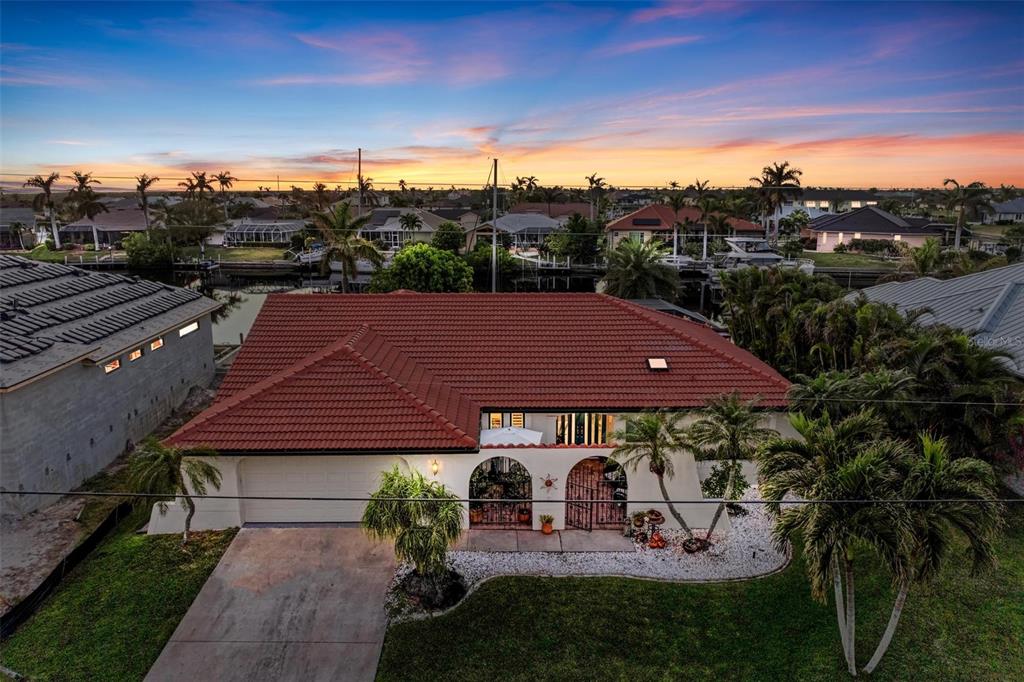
(681, 10)
(649, 44)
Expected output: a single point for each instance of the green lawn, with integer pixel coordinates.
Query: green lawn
(849, 260)
(112, 615)
(960, 628)
(238, 253)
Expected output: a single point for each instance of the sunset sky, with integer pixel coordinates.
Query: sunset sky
(855, 94)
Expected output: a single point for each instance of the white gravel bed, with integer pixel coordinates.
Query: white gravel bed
(744, 552)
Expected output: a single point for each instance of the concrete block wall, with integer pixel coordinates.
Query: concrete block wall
(58, 431)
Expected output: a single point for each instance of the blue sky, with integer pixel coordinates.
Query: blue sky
(857, 94)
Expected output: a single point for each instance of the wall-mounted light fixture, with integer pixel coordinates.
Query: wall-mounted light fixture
(434, 466)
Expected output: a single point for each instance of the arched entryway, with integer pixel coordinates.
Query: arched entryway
(501, 478)
(596, 478)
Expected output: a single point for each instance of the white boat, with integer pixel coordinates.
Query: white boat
(314, 256)
(746, 252)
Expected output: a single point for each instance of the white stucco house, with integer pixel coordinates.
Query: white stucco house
(872, 222)
(509, 396)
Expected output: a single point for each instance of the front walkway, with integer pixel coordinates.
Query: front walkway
(286, 604)
(484, 540)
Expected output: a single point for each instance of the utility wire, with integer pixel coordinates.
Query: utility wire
(313, 498)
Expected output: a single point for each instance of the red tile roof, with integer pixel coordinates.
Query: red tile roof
(413, 371)
(666, 219)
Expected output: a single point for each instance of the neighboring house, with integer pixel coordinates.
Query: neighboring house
(872, 222)
(466, 218)
(818, 201)
(990, 304)
(385, 225)
(257, 232)
(560, 212)
(658, 220)
(9, 239)
(106, 229)
(525, 230)
(329, 391)
(90, 363)
(1006, 212)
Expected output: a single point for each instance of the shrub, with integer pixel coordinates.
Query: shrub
(49, 244)
(449, 236)
(149, 249)
(714, 485)
(421, 267)
(840, 248)
(90, 247)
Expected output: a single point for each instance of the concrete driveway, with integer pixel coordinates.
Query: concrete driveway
(302, 603)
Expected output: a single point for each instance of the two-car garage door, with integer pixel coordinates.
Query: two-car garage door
(326, 476)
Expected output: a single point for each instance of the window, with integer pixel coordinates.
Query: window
(518, 419)
(188, 329)
(135, 355)
(840, 236)
(636, 236)
(824, 237)
(855, 204)
(856, 235)
(156, 343)
(897, 237)
(495, 420)
(112, 366)
(583, 428)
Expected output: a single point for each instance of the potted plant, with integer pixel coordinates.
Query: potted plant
(523, 515)
(655, 517)
(476, 514)
(639, 519)
(545, 524)
(694, 545)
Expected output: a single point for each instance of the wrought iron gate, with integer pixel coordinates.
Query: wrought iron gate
(594, 479)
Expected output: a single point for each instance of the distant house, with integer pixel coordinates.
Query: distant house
(465, 218)
(9, 238)
(90, 363)
(819, 201)
(872, 222)
(106, 229)
(560, 212)
(990, 304)
(658, 220)
(525, 230)
(385, 225)
(1006, 212)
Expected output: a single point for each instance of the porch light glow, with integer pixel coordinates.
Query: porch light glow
(434, 466)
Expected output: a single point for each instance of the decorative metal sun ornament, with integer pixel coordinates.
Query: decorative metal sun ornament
(548, 481)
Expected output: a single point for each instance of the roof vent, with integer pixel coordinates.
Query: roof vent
(657, 364)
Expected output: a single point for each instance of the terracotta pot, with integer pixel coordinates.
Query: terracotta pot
(547, 529)
(523, 517)
(657, 541)
(655, 517)
(694, 545)
(476, 515)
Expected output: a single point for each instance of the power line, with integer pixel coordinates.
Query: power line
(314, 498)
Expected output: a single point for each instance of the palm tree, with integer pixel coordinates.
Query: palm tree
(422, 517)
(189, 186)
(653, 438)
(410, 222)
(202, 183)
(703, 201)
(596, 187)
(636, 270)
(340, 232)
(550, 195)
(158, 469)
(402, 186)
(44, 200)
(778, 182)
(320, 192)
(836, 461)
(729, 429)
(930, 477)
(677, 201)
(144, 182)
(18, 228)
(366, 192)
(672, 184)
(965, 199)
(225, 180)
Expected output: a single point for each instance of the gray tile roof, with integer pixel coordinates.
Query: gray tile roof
(17, 214)
(1011, 206)
(52, 314)
(124, 220)
(873, 220)
(989, 303)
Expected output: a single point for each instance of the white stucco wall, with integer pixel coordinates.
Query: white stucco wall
(356, 476)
